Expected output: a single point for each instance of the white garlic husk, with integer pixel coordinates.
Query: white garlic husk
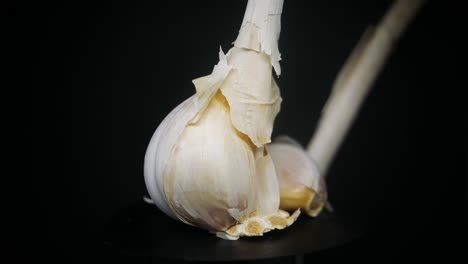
(301, 184)
(207, 165)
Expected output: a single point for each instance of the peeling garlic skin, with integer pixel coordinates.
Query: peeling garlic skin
(301, 185)
(253, 95)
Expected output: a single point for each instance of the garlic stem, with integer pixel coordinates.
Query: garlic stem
(260, 29)
(355, 79)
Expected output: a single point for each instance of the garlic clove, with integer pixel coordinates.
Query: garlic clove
(301, 185)
(266, 184)
(211, 170)
(161, 143)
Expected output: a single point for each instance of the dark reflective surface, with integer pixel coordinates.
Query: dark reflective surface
(142, 229)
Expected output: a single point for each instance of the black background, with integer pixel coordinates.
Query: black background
(89, 84)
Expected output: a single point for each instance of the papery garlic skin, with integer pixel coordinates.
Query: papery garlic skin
(252, 93)
(207, 164)
(301, 185)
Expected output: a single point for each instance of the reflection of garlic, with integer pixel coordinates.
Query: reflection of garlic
(301, 185)
(206, 164)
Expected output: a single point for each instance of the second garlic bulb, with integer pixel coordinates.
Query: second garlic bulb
(301, 185)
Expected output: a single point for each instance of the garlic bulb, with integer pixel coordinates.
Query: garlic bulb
(207, 165)
(301, 184)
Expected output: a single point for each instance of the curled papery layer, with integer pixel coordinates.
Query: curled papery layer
(301, 185)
